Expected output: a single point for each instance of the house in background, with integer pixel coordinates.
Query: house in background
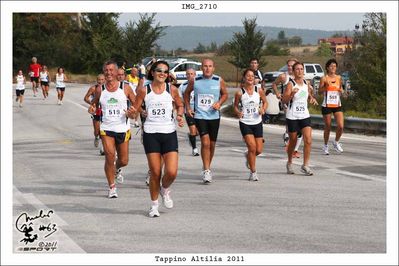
(338, 45)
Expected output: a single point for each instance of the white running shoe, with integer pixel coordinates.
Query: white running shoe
(195, 152)
(246, 159)
(325, 149)
(305, 169)
(119, 176)
(112, 193)
(207, 176)
(286, 138)
(136, 124)
(20, 105)
(290, 171)
(153, 211)
(253, 177)
(337, 147)
(167, 200)
(147, 179)
(60, 102)
(101, 149)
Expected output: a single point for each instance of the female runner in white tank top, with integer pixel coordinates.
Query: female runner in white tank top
(60, 79)
(44, 81)
(296, 97)
(253, 106)
(159, 136)
(20, 88)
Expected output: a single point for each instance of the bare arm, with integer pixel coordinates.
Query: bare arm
(237, 98)
(90, 92)
(179, 105)
(264, 102)
(322, 85)
(312, 99)
(186, 96)
(289, 93)
(223, 95)
(278, 80)
(94, 103)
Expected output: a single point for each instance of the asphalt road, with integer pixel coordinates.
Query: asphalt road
(56, 169)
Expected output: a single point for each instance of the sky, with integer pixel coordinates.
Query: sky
(316, 21)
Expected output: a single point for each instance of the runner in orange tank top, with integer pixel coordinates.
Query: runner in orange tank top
(331, 88)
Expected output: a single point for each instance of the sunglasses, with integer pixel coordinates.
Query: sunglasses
(159, 70)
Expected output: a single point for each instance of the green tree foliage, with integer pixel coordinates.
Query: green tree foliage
(324, 50)
(295, 41)
(274, 49)
(200, 49)
(368, 60)
(246, 45)
(224, 49)
(51, 37)
(140, 37)
(101, 40)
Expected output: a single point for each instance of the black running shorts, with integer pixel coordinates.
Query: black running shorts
(297, 125)
(256, 130)
(160, 142)
(119, 137)
(210, 127)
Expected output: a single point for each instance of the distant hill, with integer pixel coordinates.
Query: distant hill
(188, 37)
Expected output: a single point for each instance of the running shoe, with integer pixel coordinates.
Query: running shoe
(246, 159)
(153, 211)
(207, 176)
(147, 179)
(167, 200)
(112, 193)
(253, 177)
(20, 105)
(296, 154)
(305, 169)
(337, 147)
(102, 149)
(290, 171)
(195, 152)
(58, 102)
(16, 99)
(285, 138)
(119, 176)
(136, 124)
(325, 149)
(96, 141)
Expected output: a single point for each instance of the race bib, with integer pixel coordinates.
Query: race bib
(251, 110)
(114, 112)
(332, 98)
(205, 101)
(159, 112)
(299, 108)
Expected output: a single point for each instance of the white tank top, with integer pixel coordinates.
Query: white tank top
(159, 109)
(250, 107)
(44, 76)
(298, 106)
(20, 82)
(59, 80)
(113, 105)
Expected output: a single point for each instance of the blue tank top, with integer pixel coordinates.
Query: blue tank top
(206, 93)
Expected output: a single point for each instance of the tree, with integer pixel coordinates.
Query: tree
(141, 37)
(295, 41)
(101, 40)
(247, 45)
(368, 61)
(274, 49)
(200, 49)
(324, 50)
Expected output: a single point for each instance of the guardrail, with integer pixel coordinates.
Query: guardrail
(353, 124)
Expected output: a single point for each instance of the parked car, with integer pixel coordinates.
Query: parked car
(312, 72)
(178, 69)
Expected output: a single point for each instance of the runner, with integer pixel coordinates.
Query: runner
(283, 80)
(60, 78)
(296, 96)
(113, 97)
(190, 74)
(44, 81)
(160, 137)
(20, 88)
(254, 65)
(250, 115)
(209, 94)
(97, 116)
(34, 70)
(331, 88)
(122, 77)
